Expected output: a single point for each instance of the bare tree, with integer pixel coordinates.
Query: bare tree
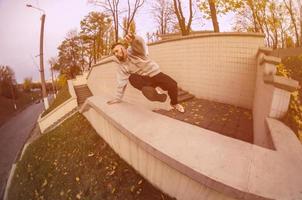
(131, 11)
(269, 17)
(185, 27)
(300, 10)
(112, 8)
(291, 11)
(212, 8)
(163, 14)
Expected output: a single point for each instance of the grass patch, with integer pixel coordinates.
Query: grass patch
(74, 162)
(62, 96)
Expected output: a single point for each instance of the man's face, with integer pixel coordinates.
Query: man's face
(120, 52)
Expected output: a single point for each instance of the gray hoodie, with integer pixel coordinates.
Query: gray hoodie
(137, 62)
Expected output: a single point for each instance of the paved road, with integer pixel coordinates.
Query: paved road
(13, 135)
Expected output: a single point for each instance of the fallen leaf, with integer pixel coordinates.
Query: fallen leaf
(91, 154)
(44, 183)
(111, 173)
(132, 188)
(139, 191)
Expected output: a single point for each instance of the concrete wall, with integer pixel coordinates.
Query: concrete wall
(219, 67)
(80, 79)
(192, 163)
(60, 111)
(272, 95)
(189, 162)
(161, 175)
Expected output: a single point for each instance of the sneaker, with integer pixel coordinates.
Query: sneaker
(179, 108)
(159, 90)
(151, 94)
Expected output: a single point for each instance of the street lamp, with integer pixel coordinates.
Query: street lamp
(44, 95)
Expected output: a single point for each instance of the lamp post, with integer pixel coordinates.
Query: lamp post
(44, 95)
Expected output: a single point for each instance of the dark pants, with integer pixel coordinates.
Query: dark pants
(161, 80)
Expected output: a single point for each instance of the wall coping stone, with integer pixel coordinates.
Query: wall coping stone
(265, 50)
(213, 34)
(227, 165)
(270, 59)
(72, 98)
(103, 61)
(281, 82)
(71, 89)
(40, 119)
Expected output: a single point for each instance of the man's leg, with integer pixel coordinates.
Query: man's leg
(166, 83)
(144, 84)
(138, 81)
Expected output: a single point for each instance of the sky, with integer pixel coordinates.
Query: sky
(20, 30)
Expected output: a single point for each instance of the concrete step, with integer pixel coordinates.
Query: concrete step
(82, 99)
(82, 92)
(80, 86)
(84, 95)
(185, 97)
(88, 93)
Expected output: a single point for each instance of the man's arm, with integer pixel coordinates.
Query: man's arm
(138, 45)
(122, 80)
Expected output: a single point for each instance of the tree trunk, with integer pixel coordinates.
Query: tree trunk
(185, 29)
(293, 20)
(214, 15)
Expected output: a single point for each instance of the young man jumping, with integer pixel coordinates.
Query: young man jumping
(143, 73)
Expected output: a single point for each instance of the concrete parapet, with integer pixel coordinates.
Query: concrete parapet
(216, 66)
(66, 107)
(189, 162)
(272, 95)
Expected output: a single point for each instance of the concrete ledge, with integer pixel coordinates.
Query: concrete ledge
(103, 61)
(51, 117)
(71, 89)
(265, 50)
(233, 168)
(285, 139)
(282, 82)
(213, 34)
(270, 59)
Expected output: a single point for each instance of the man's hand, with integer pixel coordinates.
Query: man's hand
(113, 101)
(129, 37)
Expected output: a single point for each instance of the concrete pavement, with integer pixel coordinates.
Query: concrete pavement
(13, 135)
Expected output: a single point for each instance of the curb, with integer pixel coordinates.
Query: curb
(9, 180)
